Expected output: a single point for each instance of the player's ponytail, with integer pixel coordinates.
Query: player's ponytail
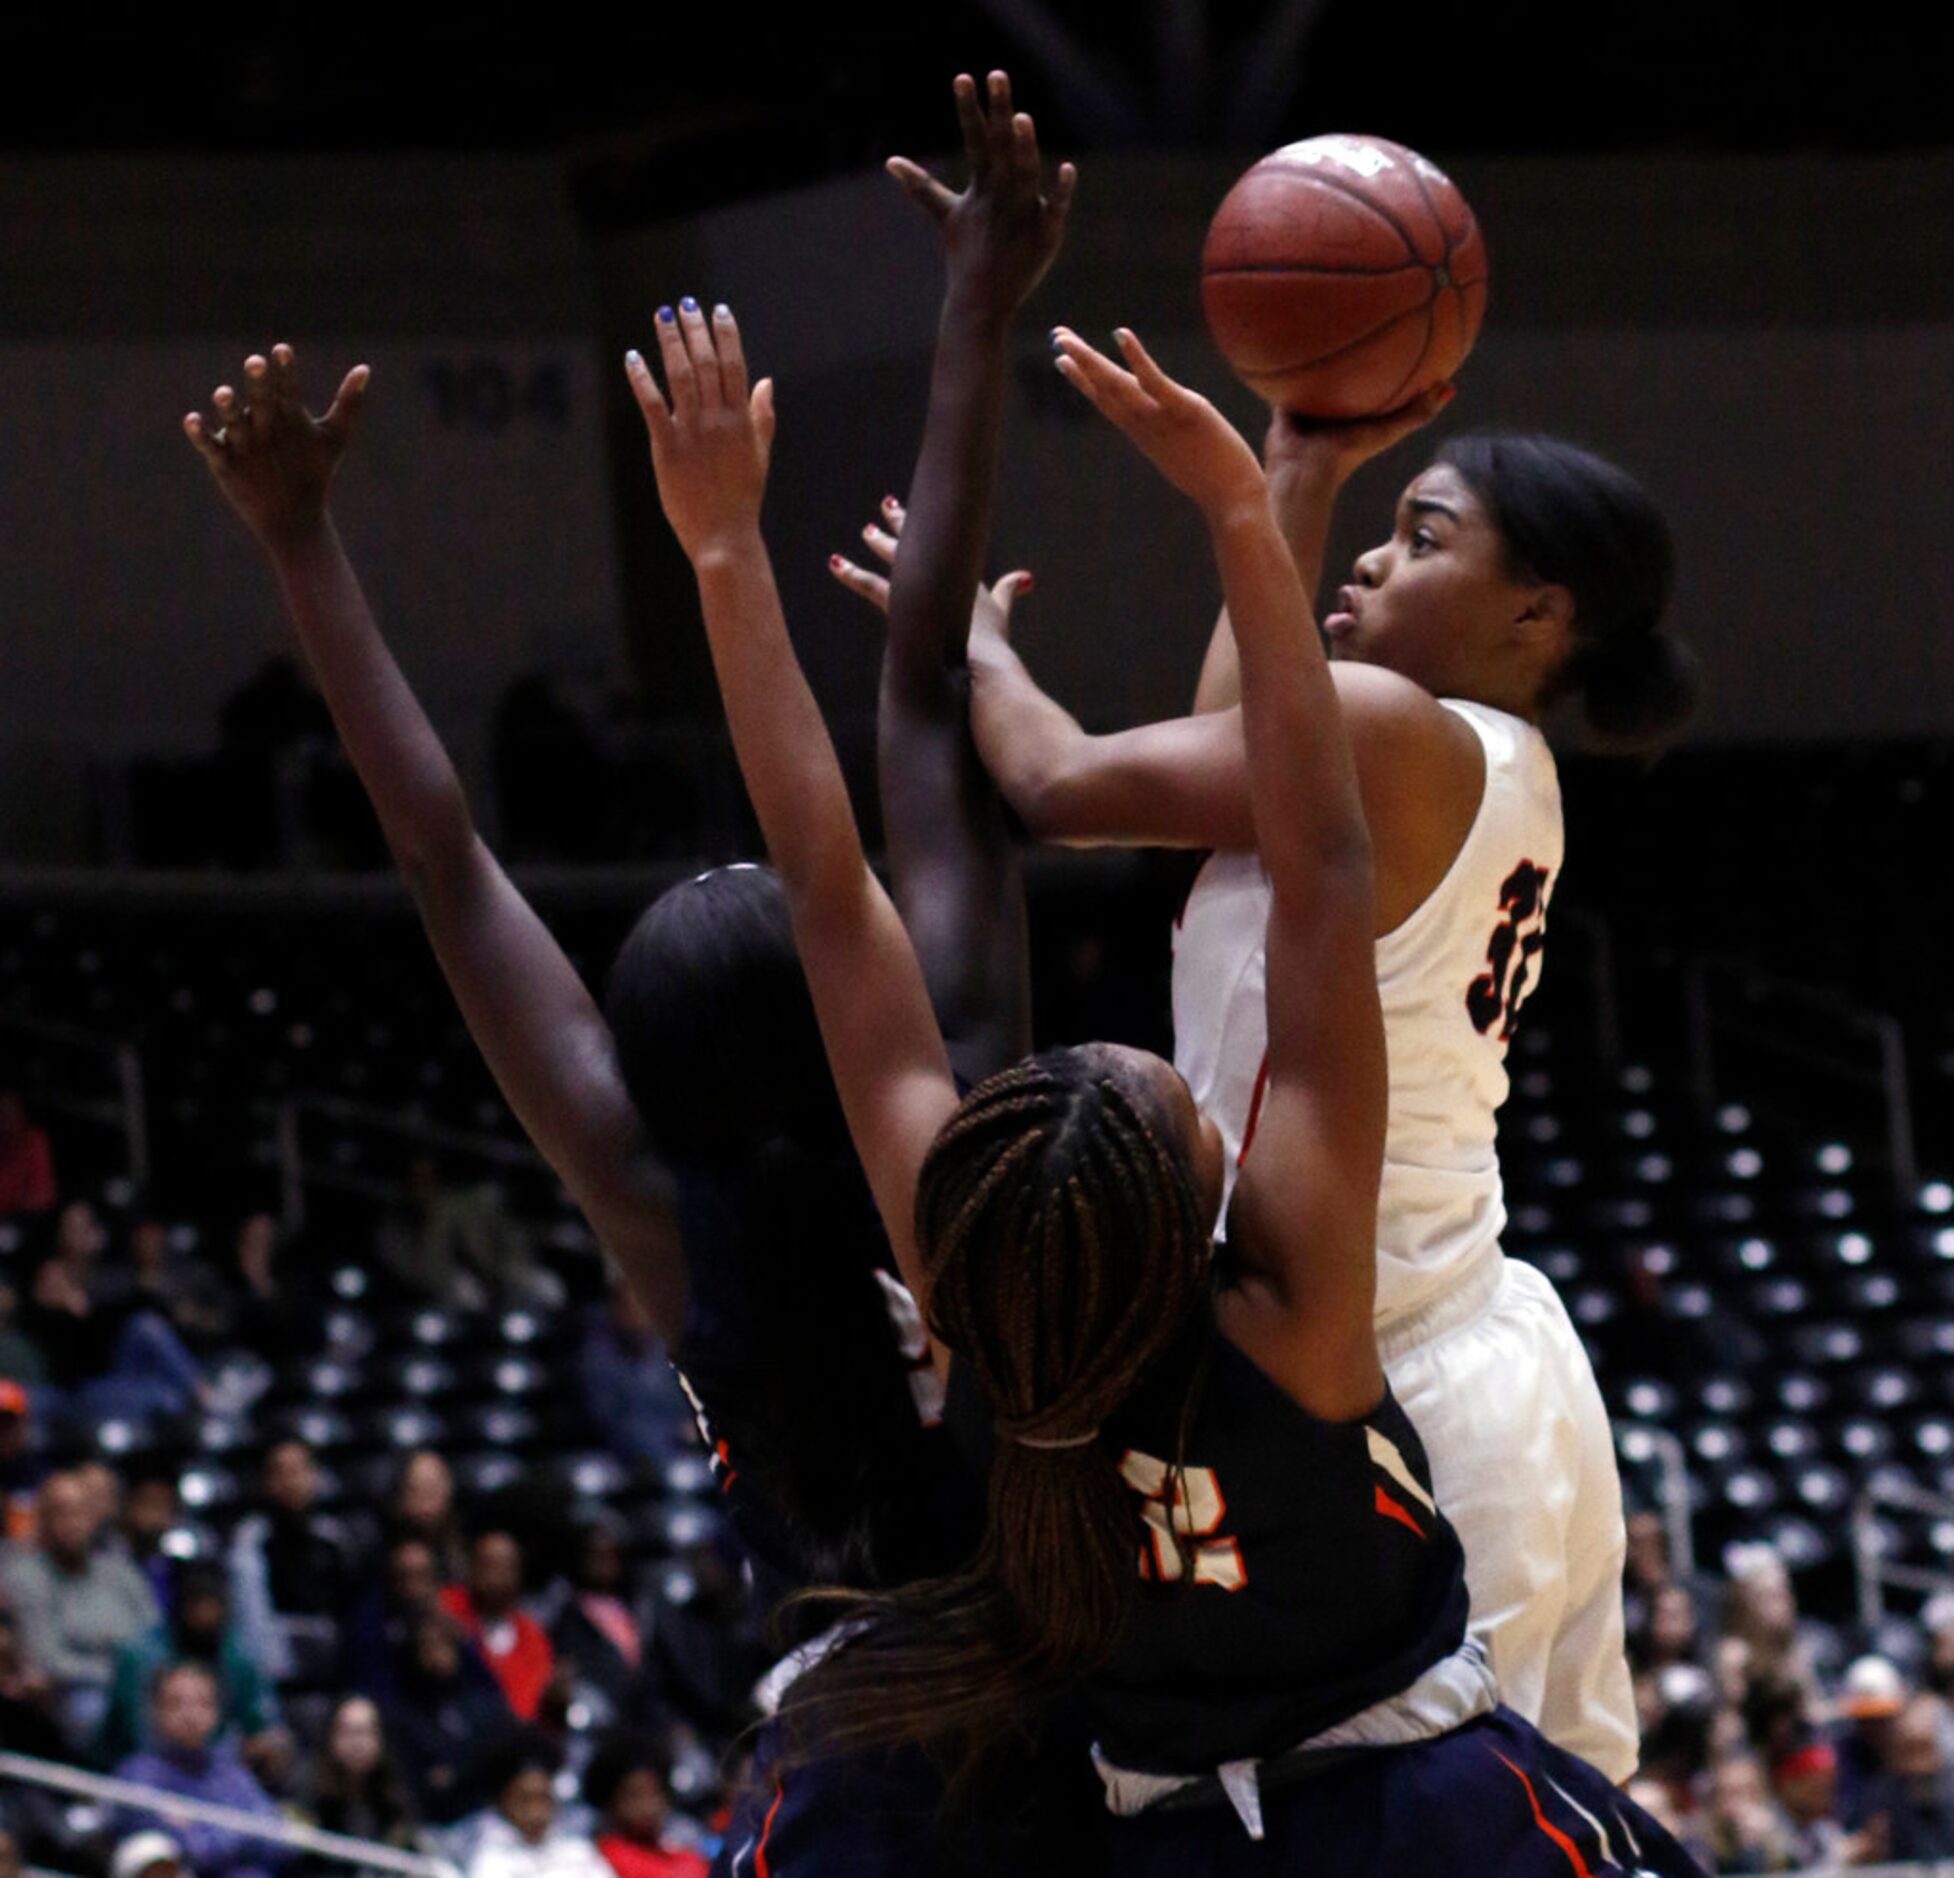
(1066, 1251)
(1578, 521)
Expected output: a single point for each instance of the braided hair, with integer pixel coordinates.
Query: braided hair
(1066, 1250)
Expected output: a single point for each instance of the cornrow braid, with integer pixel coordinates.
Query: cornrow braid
(1065, 1250)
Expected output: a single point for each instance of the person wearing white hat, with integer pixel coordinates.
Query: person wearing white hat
(147, 1855)
(1871, 1695)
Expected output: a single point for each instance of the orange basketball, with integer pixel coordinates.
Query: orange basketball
(1342, 276)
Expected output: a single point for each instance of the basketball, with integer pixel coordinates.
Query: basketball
(1342, 276)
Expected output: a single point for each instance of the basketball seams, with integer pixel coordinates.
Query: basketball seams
(1447, 245)
(1351, 345)
(1383, 211)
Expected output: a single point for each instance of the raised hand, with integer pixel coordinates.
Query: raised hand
(1179, 431)
(991, 614)
(1002, 233)
(271, 458)
(711, 442)
(1304, 457)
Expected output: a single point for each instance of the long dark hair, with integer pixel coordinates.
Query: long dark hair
(788, 1340)
(1576, 520)
(1067, 1251)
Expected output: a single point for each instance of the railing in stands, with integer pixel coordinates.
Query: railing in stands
(108, 1791)
(126, 1112)
(1873, 1571)
(1746, 991)
(296, 1173)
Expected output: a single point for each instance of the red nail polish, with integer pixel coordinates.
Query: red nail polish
(834, 561)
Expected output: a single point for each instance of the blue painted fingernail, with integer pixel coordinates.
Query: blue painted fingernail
(665, 314)
(689, 304)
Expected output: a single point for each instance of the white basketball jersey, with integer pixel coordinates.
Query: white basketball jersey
(1452, 977)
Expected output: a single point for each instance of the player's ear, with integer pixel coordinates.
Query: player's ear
(1546, 620)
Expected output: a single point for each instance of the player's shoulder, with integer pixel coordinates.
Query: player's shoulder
(1420, 762)
(1379, 701)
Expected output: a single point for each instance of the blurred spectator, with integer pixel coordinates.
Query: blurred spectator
(177, 1290)
(629, 1391)
(708, 1640)
(1669, 1633)
(1937, 1619)
(27, 1183)
(521, 1837)
(20, 1355)
(1746, 1831)
(355, 1787)
(148, 1855)
(422, 1506)
(197, 1630)
(150, 1513)
(292, 1572)
(184, 1761)
(270, 1317)
(1806, 1782)
(105, 1361)
(512, 1643)
(461, 1246)
(21, 1467)
(1761, 1612)
(76, 1606)
(1915, 1798)
(625, 1785)
(446, 1715)
(383, 1622)
(28, 1722)
(1868, 1706)
(596, 1635)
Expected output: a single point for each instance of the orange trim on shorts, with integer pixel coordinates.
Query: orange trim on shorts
(761, 1869)
(1552, 1831)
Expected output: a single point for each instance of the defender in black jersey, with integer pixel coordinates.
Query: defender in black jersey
(1055, 1227)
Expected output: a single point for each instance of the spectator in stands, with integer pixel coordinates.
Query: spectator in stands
(198, 1629)
(1668, 1633)
(20, 1356)
(1761, 1612)
(626, 1786)
(446, 1714)
(596, 1635)
(270, 1317)
(422, 1506)
(107, 1362)
(188, 1762)
(76, 1606)
(1937, 1620)
(355, 1787)
(1746, 1831)
(708, 1641)
(383, 1622)
(1806, 1782)
(461, 1246)
(1915, 1798)
(27, 1183)
(1868, 1706)
(292, 1572)
(147, 1855)
(28, 1719)
(150, 1513)
(21, 1467)
(176, 1291)
(512, 1643)
(629, 1392)
(521, 1837)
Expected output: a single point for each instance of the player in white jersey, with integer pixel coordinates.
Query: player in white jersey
(1519, 570)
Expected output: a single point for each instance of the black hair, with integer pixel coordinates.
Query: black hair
(519, 1751)
(787, 1339)
(1575, 520)
(715, 1030)
(617, 1758)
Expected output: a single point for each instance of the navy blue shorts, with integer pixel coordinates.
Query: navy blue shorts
(884, 1817)
(1494, 1797)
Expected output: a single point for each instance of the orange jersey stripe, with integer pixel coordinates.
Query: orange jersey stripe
(761, 1869)
(1392, 1510)
(1540, 1819)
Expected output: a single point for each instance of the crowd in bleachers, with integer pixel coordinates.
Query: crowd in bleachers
(239, 1564)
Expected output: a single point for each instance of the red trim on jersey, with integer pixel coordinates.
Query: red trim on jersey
(731, 1472)
(1392, 1510)
(1540, 1819)
(760, 1865)
(1254, 1108)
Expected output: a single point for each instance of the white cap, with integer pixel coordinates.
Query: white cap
(1872, 1686)
(137, 1853)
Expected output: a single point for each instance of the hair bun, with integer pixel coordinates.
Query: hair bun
(1638, 688)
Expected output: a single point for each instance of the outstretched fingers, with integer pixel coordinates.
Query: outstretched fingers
(975, 128)
(1152, 380)
(935, 199)
(1110, 389)
(732, 356)
(651, 401)
(681, 380)
(873, 587)
(343, 414)
(705, 358)
(1000, 135)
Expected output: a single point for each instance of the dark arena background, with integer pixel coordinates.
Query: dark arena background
(234, 1089)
